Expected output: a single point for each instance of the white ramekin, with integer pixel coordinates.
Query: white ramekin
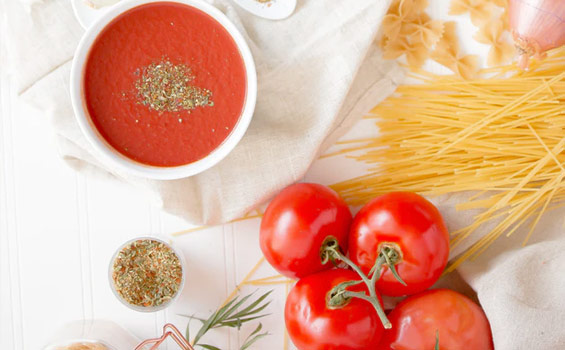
(117, 161)
(163, 306)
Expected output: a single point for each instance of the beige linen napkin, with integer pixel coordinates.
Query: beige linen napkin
(308, 96)
(521, 289)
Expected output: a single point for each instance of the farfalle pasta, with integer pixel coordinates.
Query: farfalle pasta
(409, 31)
(479, 10)
(416, 53)
(447, 53)
(501, 3)
(465, 66)
(392, 23)
(500, 51)
(424, 30)
(491, 18)
(408, 9)
(449, 43)
(399, 13)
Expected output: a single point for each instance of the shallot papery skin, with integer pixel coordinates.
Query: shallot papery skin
(537, 26)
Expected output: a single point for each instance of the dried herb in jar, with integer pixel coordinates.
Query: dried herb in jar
(147, 273)
(166, 87)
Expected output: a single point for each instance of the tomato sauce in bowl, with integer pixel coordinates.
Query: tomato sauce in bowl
(164, 84)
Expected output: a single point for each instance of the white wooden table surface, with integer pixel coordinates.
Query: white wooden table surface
(59, 230)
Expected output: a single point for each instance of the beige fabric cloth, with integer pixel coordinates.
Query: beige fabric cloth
(521, 289)
(307, 96)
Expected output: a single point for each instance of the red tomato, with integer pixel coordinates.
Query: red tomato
(295, 225)
(312, 325)
(459, 323)
(407, 222)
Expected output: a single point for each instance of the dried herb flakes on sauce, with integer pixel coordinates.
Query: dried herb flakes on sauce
(167, 87)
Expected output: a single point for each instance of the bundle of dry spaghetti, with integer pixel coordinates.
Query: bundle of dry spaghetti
(502, 136)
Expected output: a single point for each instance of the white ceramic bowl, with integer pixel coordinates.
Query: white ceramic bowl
(117, 161)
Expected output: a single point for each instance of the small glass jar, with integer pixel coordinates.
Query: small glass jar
(106, 333)
(162, 306)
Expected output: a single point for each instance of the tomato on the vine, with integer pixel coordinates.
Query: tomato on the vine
(456, 322)
(296, 224)
(317, 319)
(410, 231)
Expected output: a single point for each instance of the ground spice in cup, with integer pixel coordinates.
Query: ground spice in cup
(147, 273)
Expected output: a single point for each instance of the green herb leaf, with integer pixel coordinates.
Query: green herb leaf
(229, 316)
(253, 337)
(209, 347)
(437, 340)
(229, 311)
(187, 332)
(254, 307)
(237, 323)
(216, 318)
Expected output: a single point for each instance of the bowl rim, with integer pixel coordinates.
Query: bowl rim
(118, 162)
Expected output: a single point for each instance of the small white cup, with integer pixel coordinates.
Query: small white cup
(163, 306)
(117, 161)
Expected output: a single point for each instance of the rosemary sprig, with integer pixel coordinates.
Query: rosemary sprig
(253, 337)
(229, 316)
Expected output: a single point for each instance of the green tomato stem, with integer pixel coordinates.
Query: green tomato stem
(392, 257)
(375, 272)
(332, 252)
(340, 256)
(376, 304)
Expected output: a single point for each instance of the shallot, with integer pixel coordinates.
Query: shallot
(537, 26)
